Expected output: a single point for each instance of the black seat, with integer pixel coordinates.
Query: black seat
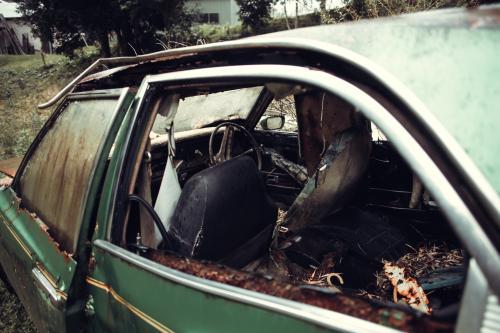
(220, 211)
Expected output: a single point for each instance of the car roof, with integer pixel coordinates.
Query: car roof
(450, 59)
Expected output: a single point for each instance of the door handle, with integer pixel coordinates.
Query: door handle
(47, 288)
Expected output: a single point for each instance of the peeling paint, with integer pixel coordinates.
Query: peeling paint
(343, 303)
(408, 287)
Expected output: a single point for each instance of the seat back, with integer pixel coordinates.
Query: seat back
(220, 209)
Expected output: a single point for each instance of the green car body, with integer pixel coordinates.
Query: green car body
(449, 60)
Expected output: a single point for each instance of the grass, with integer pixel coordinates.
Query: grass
(25, 82)
(13, 317)
(20, 62)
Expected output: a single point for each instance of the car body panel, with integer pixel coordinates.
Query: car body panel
(136, 300)
(148, 297)
(24, 246)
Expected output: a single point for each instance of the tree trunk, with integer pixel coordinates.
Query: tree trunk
(360, 8)
(125, 41)
(296, 14)
(323, 13)
(104, 42)
(286, 15)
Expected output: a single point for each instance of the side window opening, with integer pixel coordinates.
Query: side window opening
(284, 107)
(384, 221)
(56, 179)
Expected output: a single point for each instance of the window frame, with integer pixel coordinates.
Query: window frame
(118, 95)
(436, 180)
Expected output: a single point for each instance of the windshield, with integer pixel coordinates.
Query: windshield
(200, 111)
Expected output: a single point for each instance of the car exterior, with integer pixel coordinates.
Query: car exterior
(428, 81)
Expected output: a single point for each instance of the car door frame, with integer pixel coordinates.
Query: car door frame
(48, 280)
(462, 220)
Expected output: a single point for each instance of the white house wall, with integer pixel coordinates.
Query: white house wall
(21, 28)
(227, 9)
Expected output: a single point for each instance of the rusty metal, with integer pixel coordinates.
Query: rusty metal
(343, 303)
(408, 287)
(9, 166)
(331, 113)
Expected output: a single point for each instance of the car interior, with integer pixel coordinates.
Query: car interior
(289, 191)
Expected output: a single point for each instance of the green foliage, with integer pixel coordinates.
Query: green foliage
(254, 14)
(134, 22)
(357, 9)
(13, 317)
(209, 33)
(279, 24)
(25, 82)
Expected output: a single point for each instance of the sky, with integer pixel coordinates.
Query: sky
(308, 7)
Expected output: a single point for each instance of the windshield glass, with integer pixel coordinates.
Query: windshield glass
(200, 111)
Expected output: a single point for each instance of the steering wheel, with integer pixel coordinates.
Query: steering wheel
(225, 148)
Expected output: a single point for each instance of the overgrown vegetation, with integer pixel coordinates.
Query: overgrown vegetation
(13, 317)
(25, 82)
(133, 23)
(254, 14)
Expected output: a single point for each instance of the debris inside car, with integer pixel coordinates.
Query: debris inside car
(407, 287)
(351, 212)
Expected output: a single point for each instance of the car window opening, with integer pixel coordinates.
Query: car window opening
(310, 205)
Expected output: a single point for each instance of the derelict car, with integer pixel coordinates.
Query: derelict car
(335, 178)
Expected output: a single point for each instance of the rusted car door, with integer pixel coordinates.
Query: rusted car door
(47, 214)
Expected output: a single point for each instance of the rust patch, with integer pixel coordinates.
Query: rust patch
(408, 287)
(315, 108)
(105, 74)
(10, 166)
(92, 263)
(6, 181)
(45, 228)
(343, 303)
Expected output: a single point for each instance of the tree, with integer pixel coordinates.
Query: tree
(324, 15)
(283, 2)
(254, 14)
(134, 22)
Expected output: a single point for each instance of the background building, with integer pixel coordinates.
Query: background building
(215, 11)
(15, 32)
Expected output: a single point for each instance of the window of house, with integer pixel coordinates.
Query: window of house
(211, 18)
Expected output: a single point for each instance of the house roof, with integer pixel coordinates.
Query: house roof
(9, 9)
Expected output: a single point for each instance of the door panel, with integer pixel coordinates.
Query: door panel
(22, 244)
(131, 294)
(41, 224)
